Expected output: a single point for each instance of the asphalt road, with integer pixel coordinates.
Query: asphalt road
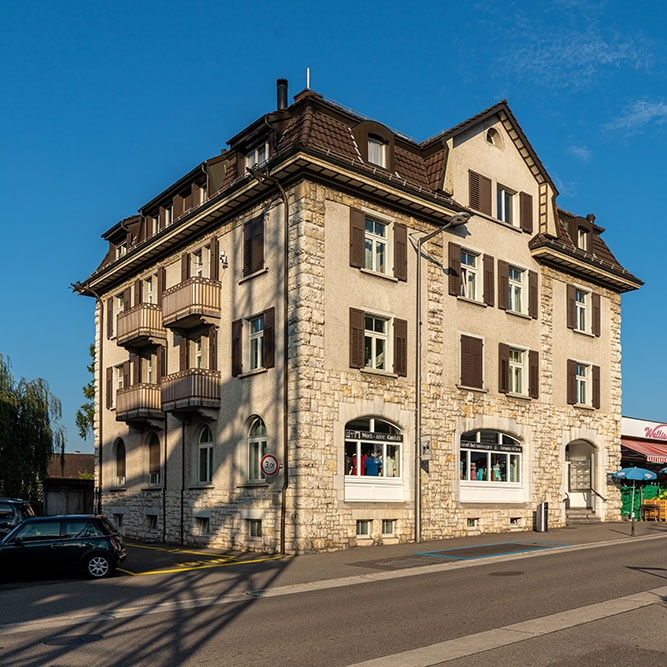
(206, 616)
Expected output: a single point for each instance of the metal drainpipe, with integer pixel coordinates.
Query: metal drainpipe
(262, 175)
(182, 474)
(79, 289)
(164, 485)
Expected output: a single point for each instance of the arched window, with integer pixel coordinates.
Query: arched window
(205, 456)
(377, 150)
(120, 462)
(490, 457)
(154, 459)
(256, 449)
(372, 449)
(493, 136)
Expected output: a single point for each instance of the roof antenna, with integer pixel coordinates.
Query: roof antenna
(307, 78)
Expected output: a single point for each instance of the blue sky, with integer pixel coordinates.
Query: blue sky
(105, 104)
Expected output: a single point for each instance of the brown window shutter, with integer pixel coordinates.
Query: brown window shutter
(110, 317)
(400, 252)
(526, 209)
(532, 294)
(356, 338)
(187, 201)
(237, 329)
(269, 338)
(489, 281)
(503, 284)
(473, 182)
(258, 244)
(185, 266)
(214, 259)
(213, 348)
(137, 292)
(161, 277)
(503, 368)
(136, 368)
(154, 455)
(247, 248)
(127, 298)
(596, 313)
(454, 269)
(126, 374)
(120, 458)
(184, 354)
(109, 387)
(161, 362)
(177, 206)
(571, 381)
(357, 223)
(162, 218)
(534, 374)
(571, 306)
(485, 195)
(596, 386)
(471, 362)
(401, 347)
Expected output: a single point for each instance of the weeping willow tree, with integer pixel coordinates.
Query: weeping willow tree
(30, 433)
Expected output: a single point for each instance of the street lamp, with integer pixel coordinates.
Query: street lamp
(455, 221)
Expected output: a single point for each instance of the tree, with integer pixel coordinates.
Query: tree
(85, 415)
(30, 433)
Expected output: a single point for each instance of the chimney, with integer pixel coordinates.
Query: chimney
(281, 85)
(590, 217)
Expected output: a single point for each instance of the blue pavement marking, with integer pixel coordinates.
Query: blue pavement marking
(437, 553)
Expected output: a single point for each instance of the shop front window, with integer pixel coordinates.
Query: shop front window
(490, 456)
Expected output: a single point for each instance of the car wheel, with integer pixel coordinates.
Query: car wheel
(98, 566)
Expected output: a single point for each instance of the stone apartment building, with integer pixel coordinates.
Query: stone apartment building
(209, 359)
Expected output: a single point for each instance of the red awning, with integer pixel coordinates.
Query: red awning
(654, 452)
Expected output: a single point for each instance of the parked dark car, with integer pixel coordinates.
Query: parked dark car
(12, 512)
(83, 541)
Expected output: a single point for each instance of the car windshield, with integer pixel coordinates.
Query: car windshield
(6, 511)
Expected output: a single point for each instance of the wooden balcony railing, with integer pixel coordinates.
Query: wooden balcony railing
(192, 302)
(140, 325)
(137, 402)
(195, 387)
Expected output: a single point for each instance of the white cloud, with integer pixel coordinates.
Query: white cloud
(581, 152)
(639, 114)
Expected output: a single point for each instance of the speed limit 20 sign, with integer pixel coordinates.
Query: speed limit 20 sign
(269, 465)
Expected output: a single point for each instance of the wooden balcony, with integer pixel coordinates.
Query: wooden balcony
(191, 389)
(139, 403)
(192, 303)
(140, 325)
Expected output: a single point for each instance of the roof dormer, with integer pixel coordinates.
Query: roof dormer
(375, 143)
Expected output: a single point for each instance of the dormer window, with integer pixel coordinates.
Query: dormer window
(493, 137)
(257, 155)
(121, 249)
(377, 151)
(582, 238)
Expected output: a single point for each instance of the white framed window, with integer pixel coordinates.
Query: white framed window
(388, 527)
(372, 449)
(150, 522)
(168, 215)
(377, 151)
(256, 342)
(149, 291)
(376, 342)
(493, 137)
(257, 155)
(118, 382)
(202, 526)
(154, 463)
(205, 456)
(517, 368)
(582, 395)
(376, 245)
(582, 238)
(490, 456)
(198, 263)
(121, 249)
(469, 268)
(581, 310)
(363, 528)
(516, 281)
(505, 205)
(148, 366)
(198, 354)
(254, 528)
(154, 225)
(256, 449)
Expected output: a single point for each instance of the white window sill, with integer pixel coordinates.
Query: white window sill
(524, 397)
(475, 302)
(373, 371)
(583, 407)
(256, 371)
(525, 316)
(250, 276)
(202, 486)
(584, 333)
(364, 539)
(379, 275)
(463, 387)
(253, 485)
(118, 488)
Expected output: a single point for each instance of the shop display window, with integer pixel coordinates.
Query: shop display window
(490, 456)
(372, 449)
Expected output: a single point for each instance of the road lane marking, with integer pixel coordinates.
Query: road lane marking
(462, 647)
(204, 565)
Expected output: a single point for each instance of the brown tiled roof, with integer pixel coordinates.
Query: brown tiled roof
(72, 465)
(435, 165)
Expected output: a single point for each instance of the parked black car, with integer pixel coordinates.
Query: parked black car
(83, 541)
(12, 512)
